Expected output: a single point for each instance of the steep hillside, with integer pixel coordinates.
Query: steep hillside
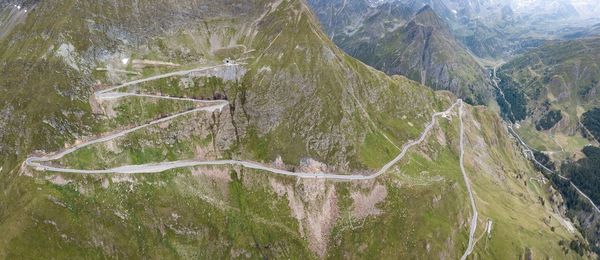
(199, 129)
(397, 40)
(554, 95)
(556, 85)
(285, 87)
(425, 50)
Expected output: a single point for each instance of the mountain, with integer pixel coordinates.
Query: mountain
(561, 77)
(553, 93)
(100, 100)
(394, 39)
(585, 32)
(491, 30)
(499, 30)
(556, 9)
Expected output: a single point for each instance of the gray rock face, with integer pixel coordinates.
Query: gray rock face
(397, 38)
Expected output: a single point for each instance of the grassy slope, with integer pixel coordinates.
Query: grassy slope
(301, 83)
(220, 212)
(395, 40)
(565, 75)
(509, 192)
(183, 214)
(423, 211)
(22, 196)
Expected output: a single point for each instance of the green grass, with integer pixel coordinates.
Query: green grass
(411, 221)
(251, 222)
(148, 145)
(560, 76)
(520, 221)
(536, 140)
(559, 145)
(138, 110)
(377, 151)
(199, 213)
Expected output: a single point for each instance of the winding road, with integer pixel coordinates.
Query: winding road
(529, 152)
(473, 224)
(218, 105)
(215, 105)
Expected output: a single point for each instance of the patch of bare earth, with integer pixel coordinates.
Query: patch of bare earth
(218, 175)
(58, 180)
(124, 179)
(313, 166)
(314, 204)
(365, 203)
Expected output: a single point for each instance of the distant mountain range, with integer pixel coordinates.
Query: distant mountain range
(286, 147)
(440, 43)
(554, 95)
(396, 39)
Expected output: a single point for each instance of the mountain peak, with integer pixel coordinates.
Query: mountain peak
(425, 9)
(426, 16)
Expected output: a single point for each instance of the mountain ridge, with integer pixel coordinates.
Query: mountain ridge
(300, 105)
(417, 45)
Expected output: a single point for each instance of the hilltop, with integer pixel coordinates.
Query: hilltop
(157, 82)
(399, 41)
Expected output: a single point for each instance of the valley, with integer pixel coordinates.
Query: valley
(531, 155)
(297, 129)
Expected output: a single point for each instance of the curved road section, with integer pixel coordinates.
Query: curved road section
(473, 226)
(218, 105)
(529, 152)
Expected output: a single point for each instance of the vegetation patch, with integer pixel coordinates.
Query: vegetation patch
(376, 151)
(513, 103)
(549, 120)
(585, 173)
(591, 120)
(544, 160)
